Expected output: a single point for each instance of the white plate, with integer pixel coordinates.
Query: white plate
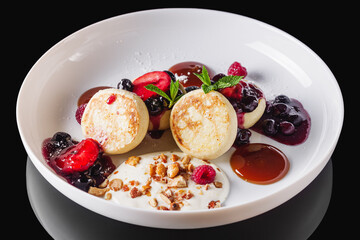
(130, 45)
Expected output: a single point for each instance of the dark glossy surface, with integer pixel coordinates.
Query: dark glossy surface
(296, 219)
(323, 31)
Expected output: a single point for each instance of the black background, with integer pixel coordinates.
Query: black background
(330, 30)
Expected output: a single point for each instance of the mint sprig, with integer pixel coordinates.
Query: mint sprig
(224, 82)
(174, 88)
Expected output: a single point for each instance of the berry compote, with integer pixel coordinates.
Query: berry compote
(56, 149)
(284, 120)
(244, 97)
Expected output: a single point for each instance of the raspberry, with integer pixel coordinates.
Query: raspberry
(203, 174)
(80, 112)
(236, 69)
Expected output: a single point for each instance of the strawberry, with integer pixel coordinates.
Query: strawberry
(79, 157)
(158, 78)
(234, 92)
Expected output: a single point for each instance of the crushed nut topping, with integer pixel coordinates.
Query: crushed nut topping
(97, 191)
(116, 184)
(153, 202)
(104, 183)
(218, 184)
(174, 157)
(133, 160)
(161, 157)
(161, 170)
(173, 170)
(165, 198)
(175, 206)
(214, 204)
(152, 169)
(185, 160)
(135, 192)
(174, 177)
(178, 182)
(108, 196)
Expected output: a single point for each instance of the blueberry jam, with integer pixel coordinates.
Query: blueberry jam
(53, 148)
(284, 120)
(244, 97)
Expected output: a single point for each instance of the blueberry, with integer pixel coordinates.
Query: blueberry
(280, 110)
(83, 181)
(217, 77)
(249, 103)
(95, 169)
(191, 88)
(287, 128)
(172, 76)
(125, 84)
(269, 126)
(282, 99)
(295, 117)
(61, 140)
(242, 137)
(154, 106)
(269, 107)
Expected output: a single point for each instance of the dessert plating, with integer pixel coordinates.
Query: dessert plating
(208, 117)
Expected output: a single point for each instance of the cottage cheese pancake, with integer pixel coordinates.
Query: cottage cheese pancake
(203, 125)
(117, 119)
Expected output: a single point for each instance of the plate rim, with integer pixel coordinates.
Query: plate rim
(293, 188)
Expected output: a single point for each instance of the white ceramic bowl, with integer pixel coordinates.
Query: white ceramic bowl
(130, 45)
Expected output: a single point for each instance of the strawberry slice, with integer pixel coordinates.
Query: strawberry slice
(79, 157)
(158, 78)
(234, 92)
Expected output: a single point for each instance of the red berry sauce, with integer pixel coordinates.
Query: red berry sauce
(111, 99)
(53, 148)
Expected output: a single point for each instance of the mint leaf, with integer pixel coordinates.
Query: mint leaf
(207, 88)
(227, 81)
(157, 90)
(204, 76)
(174, 88)
(224, 82)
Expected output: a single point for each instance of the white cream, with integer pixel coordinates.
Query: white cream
(201, 195)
